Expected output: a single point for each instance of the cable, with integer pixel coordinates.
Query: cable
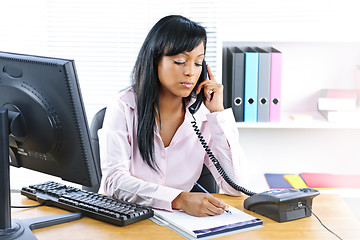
(321, 222)
(228, 180)
(41, 204)
(216, 162)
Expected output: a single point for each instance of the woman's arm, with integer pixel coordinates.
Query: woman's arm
(224, 140)
(116, 151)
(224, 143)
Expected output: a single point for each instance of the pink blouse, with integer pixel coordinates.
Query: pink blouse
(127, 177)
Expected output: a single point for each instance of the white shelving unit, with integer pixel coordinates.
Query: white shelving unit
(308, 67)
(292, 146)
(317, 122)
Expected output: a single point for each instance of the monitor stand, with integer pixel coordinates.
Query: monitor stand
(18, 229)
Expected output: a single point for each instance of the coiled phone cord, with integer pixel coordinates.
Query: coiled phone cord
(227, 178)
(216, 162)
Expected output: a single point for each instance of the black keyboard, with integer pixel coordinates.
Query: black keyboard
(90, 204)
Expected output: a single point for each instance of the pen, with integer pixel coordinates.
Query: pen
(206, 191)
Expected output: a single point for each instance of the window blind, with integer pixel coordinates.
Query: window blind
(103, 37)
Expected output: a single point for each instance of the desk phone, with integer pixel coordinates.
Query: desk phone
(282, 204)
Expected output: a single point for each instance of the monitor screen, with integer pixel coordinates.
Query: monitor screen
(49, 131)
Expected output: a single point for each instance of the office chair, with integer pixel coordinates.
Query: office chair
(206, 179)
(96, 124)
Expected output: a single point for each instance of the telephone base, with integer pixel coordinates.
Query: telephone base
(282, 205)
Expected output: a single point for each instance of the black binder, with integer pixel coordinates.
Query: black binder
(235, 81)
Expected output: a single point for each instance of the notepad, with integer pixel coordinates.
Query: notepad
(202, 227)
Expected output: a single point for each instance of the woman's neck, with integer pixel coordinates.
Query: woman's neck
(172, 114)
(171, 104)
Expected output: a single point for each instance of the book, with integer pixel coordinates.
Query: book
(275, 85)
(263, 85)
(193, 227)
(358, 82)
(337, 99)
(277, 180)
(251, 84)
(295, 180)
(327, 180)
(341, 116)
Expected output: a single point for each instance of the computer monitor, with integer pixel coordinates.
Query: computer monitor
(43, 124)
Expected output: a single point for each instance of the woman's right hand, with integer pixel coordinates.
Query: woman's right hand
(199, 204)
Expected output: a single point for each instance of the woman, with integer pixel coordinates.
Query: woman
(150, 153)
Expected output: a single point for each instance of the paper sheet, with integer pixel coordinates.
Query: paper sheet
(191, 224)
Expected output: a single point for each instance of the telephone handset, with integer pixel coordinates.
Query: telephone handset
(200, 97)
(278, 207)
(193, 109)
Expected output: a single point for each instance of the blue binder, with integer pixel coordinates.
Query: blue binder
(251, 84)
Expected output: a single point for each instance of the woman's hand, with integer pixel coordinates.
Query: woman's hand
(213, 92)
(199, 204)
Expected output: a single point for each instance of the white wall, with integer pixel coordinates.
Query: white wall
(284, 20)
(313, 28)
(290, 150)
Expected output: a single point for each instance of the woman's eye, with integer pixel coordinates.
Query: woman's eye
(198, 64)
(179, 62)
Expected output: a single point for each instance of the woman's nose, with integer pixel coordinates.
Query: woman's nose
(190, 70)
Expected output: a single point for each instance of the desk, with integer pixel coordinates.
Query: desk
(331, 209)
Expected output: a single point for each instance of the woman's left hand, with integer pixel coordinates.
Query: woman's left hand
(213, 92)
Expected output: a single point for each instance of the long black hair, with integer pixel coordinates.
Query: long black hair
(170, 36)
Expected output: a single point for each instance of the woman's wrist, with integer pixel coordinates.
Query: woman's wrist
(177, 202)
(217, 110)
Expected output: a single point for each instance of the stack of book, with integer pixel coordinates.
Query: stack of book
(252, 83)
(339, 105)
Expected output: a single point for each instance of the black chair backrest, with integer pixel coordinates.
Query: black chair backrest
(96, 124)
(206, 179)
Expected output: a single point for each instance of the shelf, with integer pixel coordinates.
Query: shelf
(308, 67)
(317, 122)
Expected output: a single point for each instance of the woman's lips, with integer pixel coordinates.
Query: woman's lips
(187, 84)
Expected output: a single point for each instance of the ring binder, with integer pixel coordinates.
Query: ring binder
(251, 84)
(275, 85)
